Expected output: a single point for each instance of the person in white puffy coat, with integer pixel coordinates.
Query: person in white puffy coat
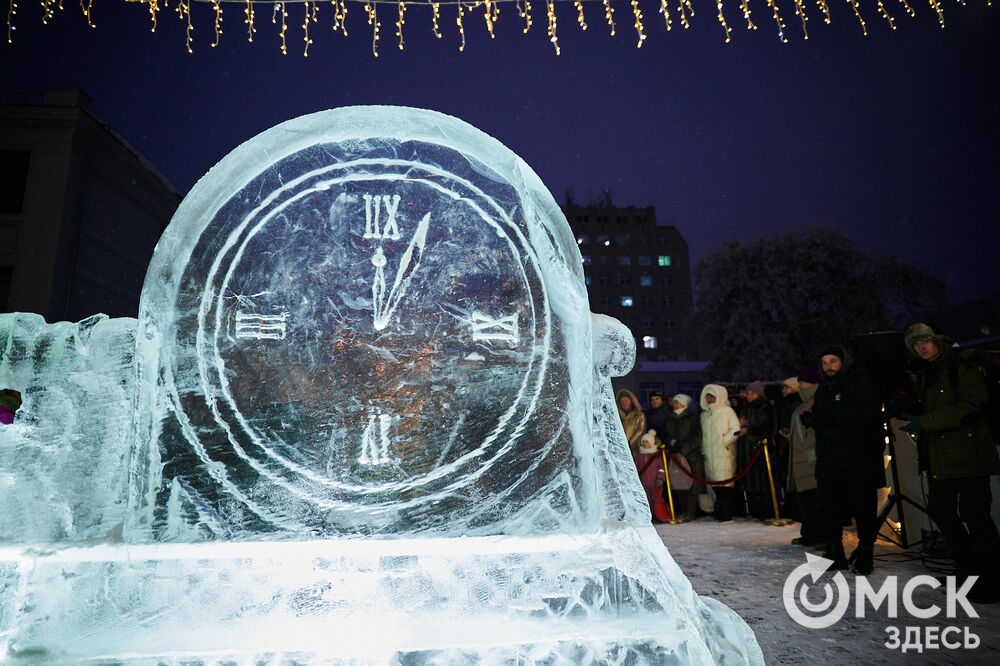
(719, 431)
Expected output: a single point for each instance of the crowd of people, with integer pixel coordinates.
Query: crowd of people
(826, 440)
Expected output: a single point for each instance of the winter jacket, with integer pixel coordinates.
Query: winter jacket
(850, 433)
(954, 441)
(719, 425)
(633, 421)
(656, 419)
(685, 428)
(759, 415)
(802, 471)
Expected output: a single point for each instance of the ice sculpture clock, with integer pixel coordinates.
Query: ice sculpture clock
(373, 423)
(358, 338)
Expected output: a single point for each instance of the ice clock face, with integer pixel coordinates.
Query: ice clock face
(374, 338)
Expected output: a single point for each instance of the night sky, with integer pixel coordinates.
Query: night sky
(893, 138)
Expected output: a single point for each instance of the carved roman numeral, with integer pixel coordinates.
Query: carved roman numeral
(375, 440)
(373, 213)
(250, 325)
(487, 329)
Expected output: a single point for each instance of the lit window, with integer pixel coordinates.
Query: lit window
(586, 280)
(624, 260)
(586, 260)
(644, 260)
(663, 260)
(646, 280)
(649, 341)
(626, 301)
(582, 239)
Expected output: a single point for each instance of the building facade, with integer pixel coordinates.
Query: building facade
(637, 270)
(80, 209)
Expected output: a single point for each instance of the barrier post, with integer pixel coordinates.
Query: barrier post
(674, 520)
(777, 520)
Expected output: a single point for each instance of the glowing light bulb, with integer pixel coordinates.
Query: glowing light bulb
(722, 20)
(609, 14)
(249, 13)
(638, 23)
(550, 6)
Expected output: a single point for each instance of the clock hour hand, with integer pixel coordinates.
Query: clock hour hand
(378, 284)
(384, 307)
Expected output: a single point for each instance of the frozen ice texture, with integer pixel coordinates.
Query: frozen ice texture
(370, 421)
(63, 472)
(379, 329)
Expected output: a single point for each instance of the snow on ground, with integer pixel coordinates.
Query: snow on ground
(744, 564)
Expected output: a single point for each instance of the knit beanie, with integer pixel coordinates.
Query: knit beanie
(833, 350)
(756, 387)
(683, 399)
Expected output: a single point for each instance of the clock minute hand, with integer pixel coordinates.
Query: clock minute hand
(403, 274)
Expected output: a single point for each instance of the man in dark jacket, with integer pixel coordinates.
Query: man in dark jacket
(658, 414)
(959, 455)
(850, 439)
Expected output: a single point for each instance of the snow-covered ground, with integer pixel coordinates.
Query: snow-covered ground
(745, 563)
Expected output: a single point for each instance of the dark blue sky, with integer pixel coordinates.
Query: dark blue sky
(893, 137)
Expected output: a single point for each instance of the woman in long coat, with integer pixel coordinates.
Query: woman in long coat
(633, 420)
(684, 437)
(719, 430)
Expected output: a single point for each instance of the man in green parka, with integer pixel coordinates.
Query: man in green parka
(959, 455)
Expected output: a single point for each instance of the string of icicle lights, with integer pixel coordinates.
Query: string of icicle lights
(374, 12)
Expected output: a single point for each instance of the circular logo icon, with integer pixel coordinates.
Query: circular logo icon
(807, 613)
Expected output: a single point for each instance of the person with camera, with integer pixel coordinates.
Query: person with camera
(958, 453)
(850, 440)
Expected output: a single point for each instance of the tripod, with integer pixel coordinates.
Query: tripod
(896, 497)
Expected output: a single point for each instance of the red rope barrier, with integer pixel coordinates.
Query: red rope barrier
(742, 473)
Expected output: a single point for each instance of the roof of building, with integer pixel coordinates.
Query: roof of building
(673, 366)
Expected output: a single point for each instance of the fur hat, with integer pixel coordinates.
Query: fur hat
(683, 398)
(756, 387)
(921, 331)
(792, 383)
